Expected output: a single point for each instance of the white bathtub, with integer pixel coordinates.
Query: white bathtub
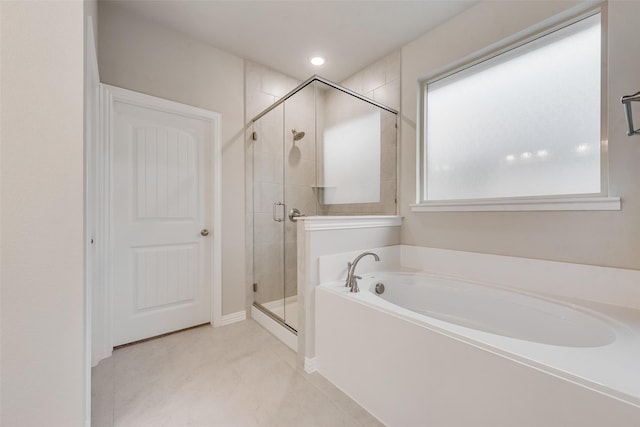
(493, 310)
(430, 344)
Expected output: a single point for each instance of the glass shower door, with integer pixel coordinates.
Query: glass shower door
(299, 170)
(322, 150)
(269, 214)
(284, 186)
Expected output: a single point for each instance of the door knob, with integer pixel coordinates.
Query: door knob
(204, 232)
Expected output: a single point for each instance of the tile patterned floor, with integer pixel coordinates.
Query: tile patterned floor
(233, 376)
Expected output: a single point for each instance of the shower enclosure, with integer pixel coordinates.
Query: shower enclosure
(321, 150)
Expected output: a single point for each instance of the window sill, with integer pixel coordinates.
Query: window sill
(533, 204)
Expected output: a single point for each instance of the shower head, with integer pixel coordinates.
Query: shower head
(297, 136)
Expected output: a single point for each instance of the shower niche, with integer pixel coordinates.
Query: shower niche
(322, 150)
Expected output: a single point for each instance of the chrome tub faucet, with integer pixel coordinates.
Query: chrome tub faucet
(352, 279)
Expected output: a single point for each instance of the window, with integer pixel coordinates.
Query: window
(525, 123)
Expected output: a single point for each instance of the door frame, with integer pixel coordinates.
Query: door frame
(91, 145)
(108, 96)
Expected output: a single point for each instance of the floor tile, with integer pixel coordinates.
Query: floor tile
(233, 376)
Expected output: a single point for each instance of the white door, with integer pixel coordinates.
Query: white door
(161, 251)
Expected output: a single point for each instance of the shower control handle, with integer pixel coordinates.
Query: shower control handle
(294, 214)
(275, 214)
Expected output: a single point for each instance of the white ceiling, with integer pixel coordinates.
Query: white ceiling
(285, 34)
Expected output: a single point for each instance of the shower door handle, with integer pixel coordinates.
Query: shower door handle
(275, 208)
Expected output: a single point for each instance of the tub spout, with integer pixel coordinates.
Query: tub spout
(352, 279)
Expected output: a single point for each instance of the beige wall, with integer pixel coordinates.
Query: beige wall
(41, 133)
(141, 55)
(610, 238)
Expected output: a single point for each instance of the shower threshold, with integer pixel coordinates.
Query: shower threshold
(276, 325)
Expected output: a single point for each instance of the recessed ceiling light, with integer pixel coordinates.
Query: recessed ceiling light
(317, 60)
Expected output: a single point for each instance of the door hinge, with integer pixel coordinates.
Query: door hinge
(254, 136)
(255, 287)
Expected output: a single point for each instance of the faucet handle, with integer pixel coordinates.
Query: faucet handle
(347, 283)
(354, 284)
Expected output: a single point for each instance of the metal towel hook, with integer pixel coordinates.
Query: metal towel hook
(627, 100)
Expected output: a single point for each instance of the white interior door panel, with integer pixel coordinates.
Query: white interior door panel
(161, 186)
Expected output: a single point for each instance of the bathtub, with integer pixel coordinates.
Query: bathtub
(437, 351)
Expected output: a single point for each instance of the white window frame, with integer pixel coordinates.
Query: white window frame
(595, 201)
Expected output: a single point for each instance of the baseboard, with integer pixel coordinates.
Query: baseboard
(228, 319)
(310, 365)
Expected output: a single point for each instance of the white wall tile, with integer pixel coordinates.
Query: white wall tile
(353, 83)
(257, 102)
(393, 66)
(374, 76)
(276, 84)
(388, 94)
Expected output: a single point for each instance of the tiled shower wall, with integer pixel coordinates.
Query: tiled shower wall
(379, 81)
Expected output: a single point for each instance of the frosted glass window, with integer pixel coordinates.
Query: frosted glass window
(351, 166)
(523, 123)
